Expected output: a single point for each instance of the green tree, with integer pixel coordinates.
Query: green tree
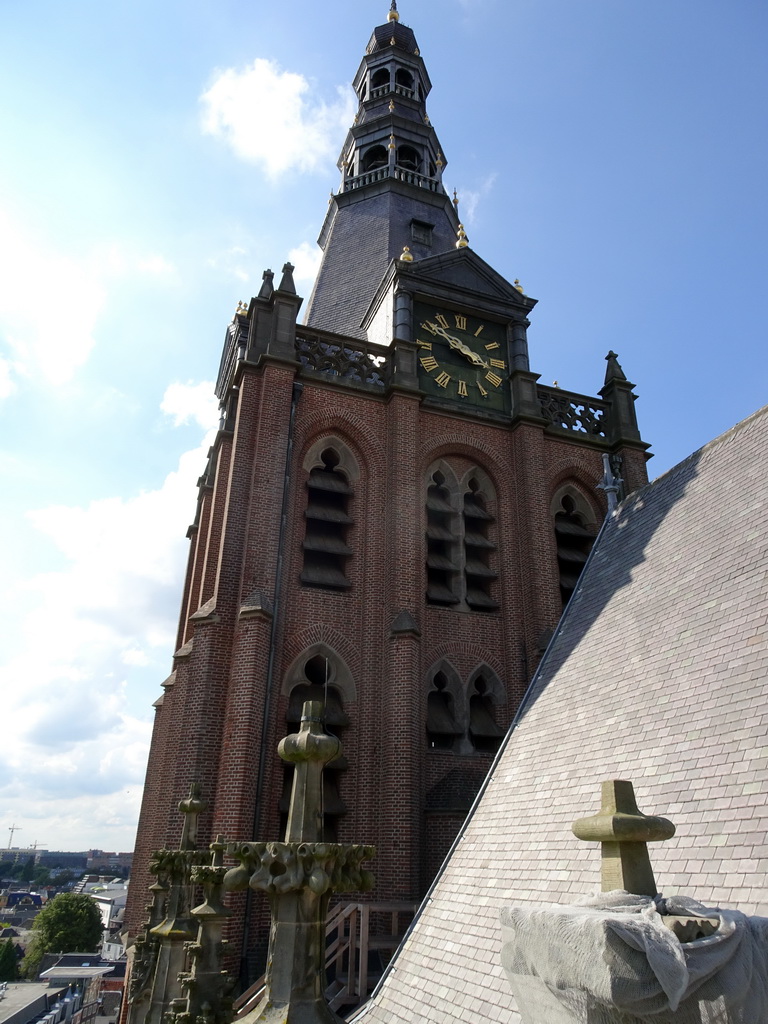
(27, 872)
(7, 961)
(69, 923)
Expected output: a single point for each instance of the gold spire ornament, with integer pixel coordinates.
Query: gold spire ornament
(439, 160)
(391, 106)
(393, 15)
(392, 142)
(426, 119)
(242, 308)
(406, 256)
(456, 200)
(519, 286)
(463, 241)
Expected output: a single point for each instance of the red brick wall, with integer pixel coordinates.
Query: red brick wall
(211, 724)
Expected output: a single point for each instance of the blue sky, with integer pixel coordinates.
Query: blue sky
(157, 157)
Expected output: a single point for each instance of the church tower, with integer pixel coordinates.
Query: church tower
(392, 515)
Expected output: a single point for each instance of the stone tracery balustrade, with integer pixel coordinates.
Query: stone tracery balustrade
(574, 413)
(356, 364)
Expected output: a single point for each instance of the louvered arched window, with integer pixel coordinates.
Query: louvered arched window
(326, 547)
(460, 540)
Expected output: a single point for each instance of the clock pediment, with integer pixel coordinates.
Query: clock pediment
(463, 271)
(458, 276)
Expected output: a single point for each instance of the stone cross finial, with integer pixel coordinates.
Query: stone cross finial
(308, 749)
(624, 832)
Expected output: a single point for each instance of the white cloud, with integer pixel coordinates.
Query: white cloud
(49, 305)
(306, 259)
(232, 262)
(270, 117)
(470, 199)
(192, 402)
(96, 627)
(156, 265)
(7, 384)
(135, 657)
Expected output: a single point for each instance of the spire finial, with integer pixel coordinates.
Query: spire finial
(463, 241)
(456, 200)
(393, 15)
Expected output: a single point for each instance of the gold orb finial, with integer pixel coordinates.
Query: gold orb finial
(406, 256)
(392, 142)
(456, 199)
(391, 106)
(242, 308)
(463, 241)
(439, 160)
(519, 286)
(393, 15)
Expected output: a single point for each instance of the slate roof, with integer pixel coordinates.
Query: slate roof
(658, 674)
(363, 237)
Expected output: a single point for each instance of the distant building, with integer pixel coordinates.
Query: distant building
(63, 859)
(101, 860)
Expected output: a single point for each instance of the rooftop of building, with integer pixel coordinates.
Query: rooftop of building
(658, 674)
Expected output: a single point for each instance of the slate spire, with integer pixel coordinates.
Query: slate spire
(391, 193)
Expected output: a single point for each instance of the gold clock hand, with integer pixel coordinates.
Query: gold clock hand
(458, 345)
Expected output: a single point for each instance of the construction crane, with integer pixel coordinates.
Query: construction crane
(12, 829)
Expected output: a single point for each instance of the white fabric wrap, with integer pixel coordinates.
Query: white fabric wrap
(612, 959)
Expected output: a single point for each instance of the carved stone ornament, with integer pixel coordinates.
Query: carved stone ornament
(288, 867)
(351, 364)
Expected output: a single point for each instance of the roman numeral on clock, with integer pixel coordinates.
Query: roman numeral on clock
(493, 378)
(491, 345)
(462, 386)
(429, 363)
(444, 379)
(442, 321)
(461, 321)
(498, 362)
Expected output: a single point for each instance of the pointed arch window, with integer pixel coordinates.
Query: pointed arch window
(443, 727)
(317, 676)
(479, 549)
(575, 528)
(464, 719)
(442, 543)
(484, 731)
(461, 546)
(326, 548)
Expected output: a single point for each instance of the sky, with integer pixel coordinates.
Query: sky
(157, 156)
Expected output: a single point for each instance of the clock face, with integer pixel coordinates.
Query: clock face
(462, 356)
